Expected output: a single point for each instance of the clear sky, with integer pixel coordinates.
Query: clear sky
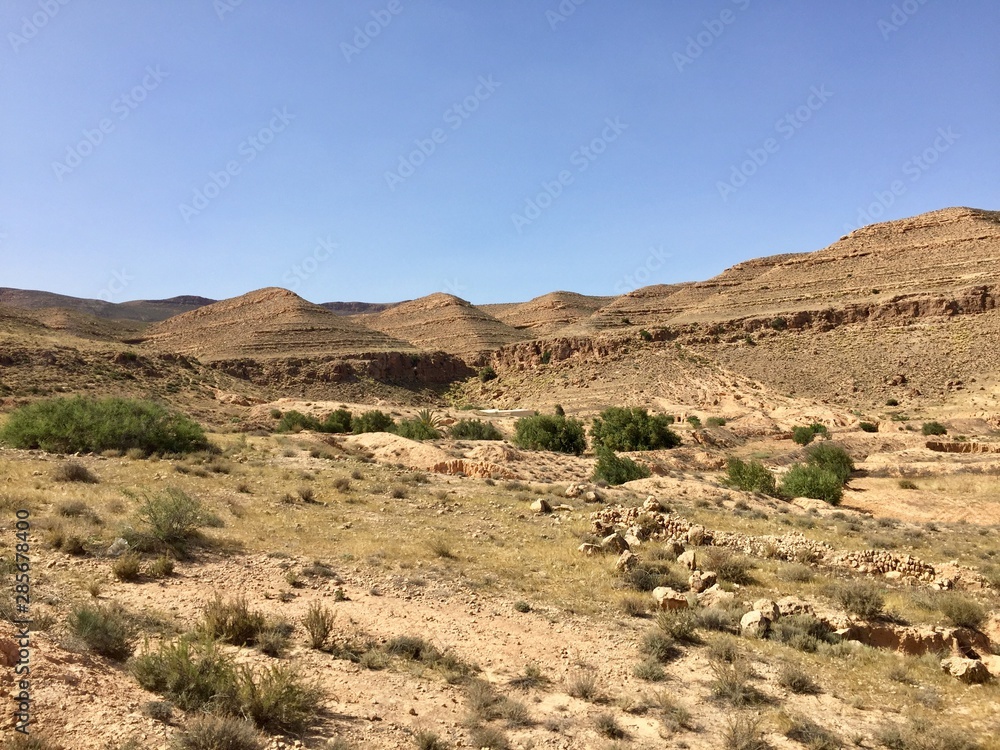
(383, 150)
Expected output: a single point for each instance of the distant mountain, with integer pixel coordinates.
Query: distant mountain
(357, 308)
(547, 314)
(140, 311)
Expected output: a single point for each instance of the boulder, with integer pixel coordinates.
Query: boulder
(652, 505)
(589, 549)
(626, 561)
(632, 539)
(667, 598)
(700, 581)
(688, 559)
(970, 671)
(767, 608)
(715, 596)
(574, 490)
(541, 505)
(755, 624)
(591, 497)
(792, 605)
(614, 543)
(696, 535)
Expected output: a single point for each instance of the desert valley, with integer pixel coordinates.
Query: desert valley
(759, 510)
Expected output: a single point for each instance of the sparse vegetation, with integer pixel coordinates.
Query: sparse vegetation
(105, 629)
(318, 623)
(860, 598)
(416, 429)
(868, 427)
(74, 471)
(487, 374)
(374, 420)
(80, 425)
(934, 428)
(171, 518)
(807, 480)
(632, 429)
(208, 732)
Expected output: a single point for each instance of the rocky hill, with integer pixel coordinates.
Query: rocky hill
(266, 323)
(142, 311)
(549, 313)
(443, 322)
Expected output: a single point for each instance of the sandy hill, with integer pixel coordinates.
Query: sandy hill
(649, 306)
(443, 322)
(269, 322)
(86, 326)
(944, 253)
(548, 313)
(143, 311)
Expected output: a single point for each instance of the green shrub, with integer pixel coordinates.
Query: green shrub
(934, 428)
(716, 422)
(372, 421)
(645, 335)
(779, 324)
(276, 699)
(892, 402)
(812, 481)
(208, 732)
(615, 469)
(416, 429)
(632, 429)
(803, 435)
(80, 425)
(861, 598)
(337, 421)
(173, 519)
(962, 610)
(694, 421)
(487, 374)
(107, 630)
(831, 457)
(749, 476)
(868, 427)
(318, 622)
(295, 421)
(232, 621)
(127, 567)
(474, 429)
(550, 433)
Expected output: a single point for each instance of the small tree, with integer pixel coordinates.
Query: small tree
(749, 476)
(487, 374)
(474, 429)
(337, 421)
(373, 421)
(615, 469)
(633, 429)
(550, 433)
(831, 457)
(810, 480)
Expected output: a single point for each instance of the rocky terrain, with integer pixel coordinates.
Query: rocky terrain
(485, 593)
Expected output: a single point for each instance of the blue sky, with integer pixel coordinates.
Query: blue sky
(385, 150)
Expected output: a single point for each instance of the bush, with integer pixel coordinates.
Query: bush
(173, 519)
(318, 622)
(934, 428)
(73, 471)
(813, 736)
(107, 630)
(474, 429)
(276, 699)
(416, 429)
(550, 433)
(779, 324)
(127, 567)
(962, 610)
(615, 469)
(812, 481)
(634, 429)
(79, 425)
(487, 374)
(892, 402)
(868, 427)
(750, 476)
(860, 598)
(373, 421)
(209, 732)
(831, 457)
(797, 680)
(232, 621)
(295, 421)
(803, 435)
(742, 732)
(339, 420)
(715, 422)
(659, 645)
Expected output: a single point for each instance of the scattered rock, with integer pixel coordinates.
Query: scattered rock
(970, 671)
(652, 504)
(767, 608)
(755, 624)
(688, 559)
(589, 549)
(614, 543)
(715, 596)
(696, 535)
(700, 581)
(626, 561)
(541, 505)
(792, 605)
(667, 598)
